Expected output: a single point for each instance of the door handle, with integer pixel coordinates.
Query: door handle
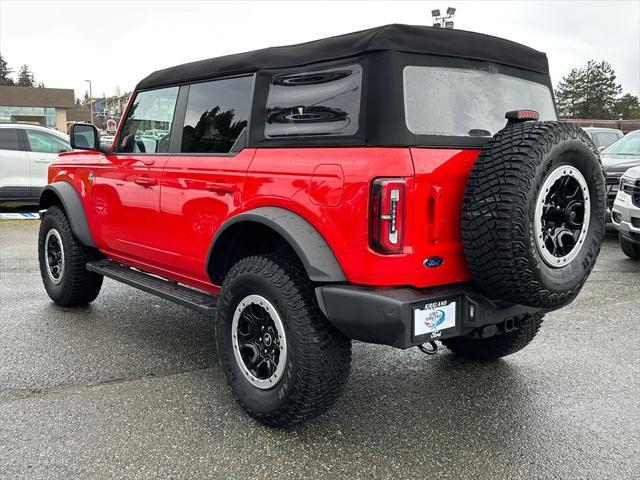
(43, 160)
(148, 161)
(434, 215)
(221, 188)
(145, 181)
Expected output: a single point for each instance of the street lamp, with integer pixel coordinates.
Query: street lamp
(443, 20)
(90, 102)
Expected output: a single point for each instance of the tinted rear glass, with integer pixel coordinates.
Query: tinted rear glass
(315, 102)
(459, 102)
(217, 112)
(9, 139)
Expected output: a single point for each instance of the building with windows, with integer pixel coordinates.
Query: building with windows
(44, 106)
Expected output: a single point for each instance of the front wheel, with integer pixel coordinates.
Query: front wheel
(284, 361)
(63, 262)
(498, 346)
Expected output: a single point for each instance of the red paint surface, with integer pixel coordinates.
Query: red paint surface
(166, 225)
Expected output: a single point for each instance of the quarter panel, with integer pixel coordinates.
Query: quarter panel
(283, 178)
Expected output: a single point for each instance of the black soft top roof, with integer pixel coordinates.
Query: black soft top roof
(396, 37)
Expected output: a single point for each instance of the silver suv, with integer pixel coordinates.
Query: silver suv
(626, 213)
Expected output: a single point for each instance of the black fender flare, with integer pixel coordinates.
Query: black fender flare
(313, 250)
(72, 205)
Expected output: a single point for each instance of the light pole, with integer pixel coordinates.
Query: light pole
(90, 102)
(444, 20)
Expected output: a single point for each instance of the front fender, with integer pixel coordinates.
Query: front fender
(70, 200)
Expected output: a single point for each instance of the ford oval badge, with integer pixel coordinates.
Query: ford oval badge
(433, 262)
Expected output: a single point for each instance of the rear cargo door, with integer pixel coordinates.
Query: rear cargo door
(440, 179)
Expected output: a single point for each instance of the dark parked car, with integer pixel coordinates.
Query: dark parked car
(617, 159)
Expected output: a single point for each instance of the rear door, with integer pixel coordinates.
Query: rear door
(43, 148)
(127, 182)
(14, 165)
(202, 185)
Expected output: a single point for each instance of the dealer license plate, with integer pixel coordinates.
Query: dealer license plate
(435, 319)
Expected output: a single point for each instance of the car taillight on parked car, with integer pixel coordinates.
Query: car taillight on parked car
(386, 221)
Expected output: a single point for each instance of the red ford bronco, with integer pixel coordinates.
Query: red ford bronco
(361, 187)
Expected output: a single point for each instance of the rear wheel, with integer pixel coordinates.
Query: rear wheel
(284, 361)
(630, 249)
(63, 262)
(498, 346)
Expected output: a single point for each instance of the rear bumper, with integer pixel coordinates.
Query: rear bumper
(386, 316)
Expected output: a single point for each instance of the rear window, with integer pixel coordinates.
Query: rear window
(467, 103)
(604, 139)
(9, 139)
(315, 102)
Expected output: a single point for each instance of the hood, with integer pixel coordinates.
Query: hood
(619, 163)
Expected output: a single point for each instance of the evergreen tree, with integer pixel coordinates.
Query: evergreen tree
(25, 77)
(5, 72)
(628, 107)
(588, 92)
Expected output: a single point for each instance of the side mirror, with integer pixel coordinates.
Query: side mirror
(84, 136)
(600, 149)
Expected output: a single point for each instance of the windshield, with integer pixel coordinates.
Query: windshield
(468, 103)
(627, 145)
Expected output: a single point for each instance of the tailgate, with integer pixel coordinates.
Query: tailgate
(440, 179)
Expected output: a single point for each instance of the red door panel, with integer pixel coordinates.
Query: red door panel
(127, 200)
(198, 193)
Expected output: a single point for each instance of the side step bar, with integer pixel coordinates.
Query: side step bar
(202, 302)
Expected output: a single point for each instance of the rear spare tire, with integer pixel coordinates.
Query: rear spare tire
(533, 215)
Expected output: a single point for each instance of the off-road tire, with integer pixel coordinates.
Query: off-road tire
(499, 209)
(498, 346)
(318, 356)
(630, 249)
(77, 286)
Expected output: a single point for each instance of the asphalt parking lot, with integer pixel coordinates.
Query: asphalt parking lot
(130, 387)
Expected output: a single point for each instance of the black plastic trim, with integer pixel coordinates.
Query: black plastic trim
(317, 257)
(73, 207)
(16, 193)
(202, 302)
(385, 315)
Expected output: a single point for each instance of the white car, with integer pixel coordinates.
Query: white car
(25, 154)
(626, 213)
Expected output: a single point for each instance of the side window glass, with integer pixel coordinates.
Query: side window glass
(46, 143)
(217, 113)
(147, 128)
(9, 139)
(318, 102)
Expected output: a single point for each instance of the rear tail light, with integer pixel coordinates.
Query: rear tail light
(386, 220)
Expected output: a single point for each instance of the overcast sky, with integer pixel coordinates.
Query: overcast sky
(117, 43)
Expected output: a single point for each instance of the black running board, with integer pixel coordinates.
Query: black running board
(202, 302)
